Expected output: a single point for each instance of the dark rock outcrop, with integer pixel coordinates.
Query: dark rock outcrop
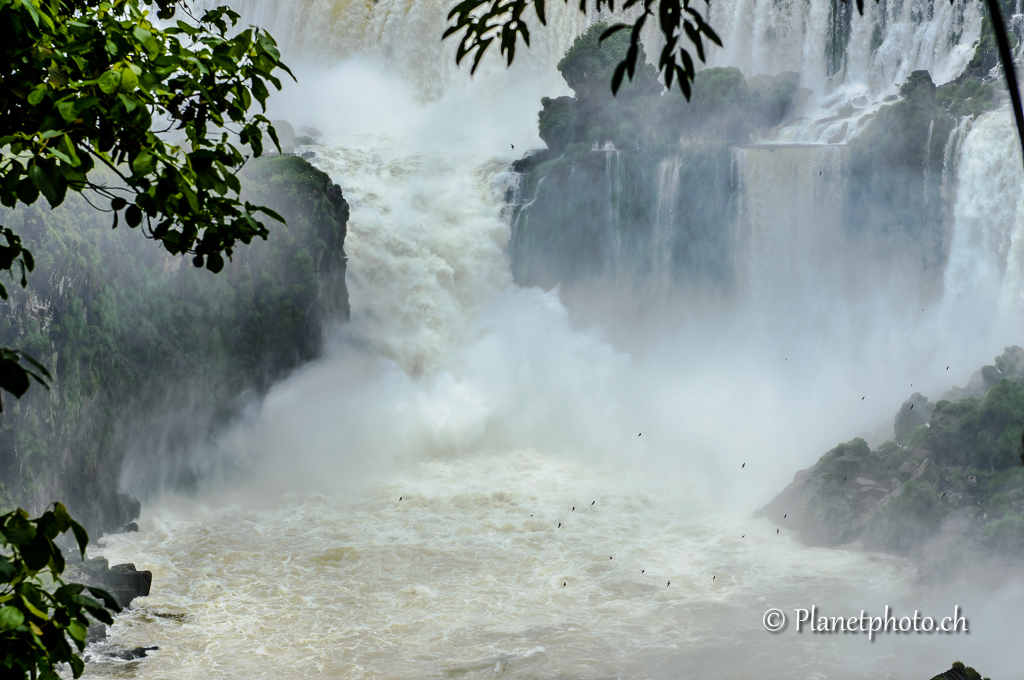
(618, 168)
(123, 581)
(950, 489)
(151, 357)
(136, 653)
(913, 414)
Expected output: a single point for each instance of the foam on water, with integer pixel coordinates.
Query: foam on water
(463, 577)
(480, 404)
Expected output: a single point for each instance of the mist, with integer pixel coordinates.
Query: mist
(438, 493)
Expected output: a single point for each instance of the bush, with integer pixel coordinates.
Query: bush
(40, 611)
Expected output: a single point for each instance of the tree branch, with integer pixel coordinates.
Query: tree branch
(1006, 57)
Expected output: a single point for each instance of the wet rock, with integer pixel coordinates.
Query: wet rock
(123, 581)
(912, 414)
(532, 159)
(823, 502)
(97, 632)
(136, 653)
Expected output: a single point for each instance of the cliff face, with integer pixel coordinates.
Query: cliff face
(949, 489)
(638, 185)
(642, 187)
(150, 356)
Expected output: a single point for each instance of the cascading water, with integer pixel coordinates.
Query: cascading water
(789, 236)
(463, 486)
(665, 224)
(877, 52)
(983, 282)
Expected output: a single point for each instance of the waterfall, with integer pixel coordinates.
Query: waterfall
(788, 235)
(851, 64)
(879, 49)
(443, 493)
(666, 224)
(613, 190)
(984, 281)
(928, 158)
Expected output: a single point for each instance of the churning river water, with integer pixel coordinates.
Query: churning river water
(476, 483)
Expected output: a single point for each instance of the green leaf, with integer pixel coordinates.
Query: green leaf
(10, 617)
(133, 216)
(620, 71)
(144, 163)
(32, 608)
(13, 377)
(36, 95)
(108, 600)
(47, 184)
(129, 80)
(109, 82)
(612, 30)
(214, 262)
(77, 630)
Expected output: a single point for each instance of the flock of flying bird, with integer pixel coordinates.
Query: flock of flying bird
(742, 467)
(592, 503)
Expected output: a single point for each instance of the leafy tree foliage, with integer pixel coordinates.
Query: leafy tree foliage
(483, 21)
(151, 122)
(39, 611)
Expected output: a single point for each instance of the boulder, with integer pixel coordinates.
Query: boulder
(914, 413)
(124, 581)
(823, 502)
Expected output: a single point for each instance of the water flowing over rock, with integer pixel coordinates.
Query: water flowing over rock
(441, 492)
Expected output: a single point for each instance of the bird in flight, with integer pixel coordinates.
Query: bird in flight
(563, 584)
(743, 466)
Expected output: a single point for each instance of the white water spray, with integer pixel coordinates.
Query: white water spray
(465, 420)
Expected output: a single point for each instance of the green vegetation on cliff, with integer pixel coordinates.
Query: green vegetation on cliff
(895, 196)
(149, 355)
(952, 492)
(641, 181)
(87, 85)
